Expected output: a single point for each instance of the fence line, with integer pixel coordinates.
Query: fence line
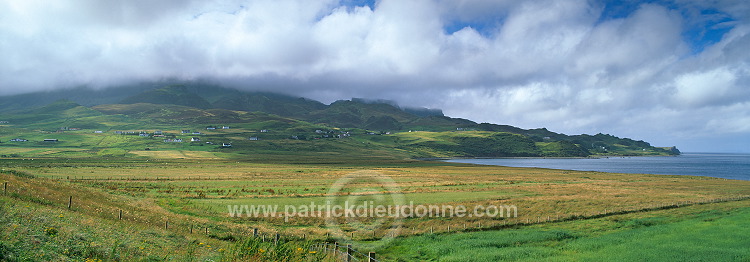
(352, 254)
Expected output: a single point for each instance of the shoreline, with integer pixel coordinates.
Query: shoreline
(691, 164)
(537, 157)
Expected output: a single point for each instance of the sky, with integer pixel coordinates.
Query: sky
(667, 72)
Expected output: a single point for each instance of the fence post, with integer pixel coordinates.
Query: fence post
(371, 257)
(119, 216)
(206, 231)
(166, 224)
(325, 247)
(255, 232)
(5, 188)
(191, 229)
(276, 239)
(348, 252)
(70, 201)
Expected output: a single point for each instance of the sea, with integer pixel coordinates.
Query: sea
(722, 165)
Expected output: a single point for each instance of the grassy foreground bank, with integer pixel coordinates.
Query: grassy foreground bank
(713, 232)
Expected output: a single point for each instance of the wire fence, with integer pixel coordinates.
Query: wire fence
(343, 252)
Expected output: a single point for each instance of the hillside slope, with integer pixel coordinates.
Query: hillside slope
(279, 123)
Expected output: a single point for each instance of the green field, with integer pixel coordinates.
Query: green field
(716, 232)
(562, 215)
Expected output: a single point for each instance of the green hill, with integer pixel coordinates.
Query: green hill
(269, 103)
(172, 95)
(266, 123)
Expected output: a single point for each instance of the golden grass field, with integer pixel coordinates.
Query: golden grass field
(201, 188)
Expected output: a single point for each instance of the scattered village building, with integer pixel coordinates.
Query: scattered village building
(18, 140)
(176, 140)
(224, 127)
(50, 140)
(196, 133)
(143, 134)
(118, 132)
(186, 131)
(210, 128)
(4, 122)
(195, 139)
(226, 144)
(98, 132)
(264, 130)
(158, 132)
(254, 138)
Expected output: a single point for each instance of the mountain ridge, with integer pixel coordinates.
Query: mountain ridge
(439, 136)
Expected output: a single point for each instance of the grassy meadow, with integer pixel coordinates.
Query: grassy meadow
(562, 215)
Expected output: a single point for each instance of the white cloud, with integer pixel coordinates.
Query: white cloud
(703, 88)
(555, 64)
